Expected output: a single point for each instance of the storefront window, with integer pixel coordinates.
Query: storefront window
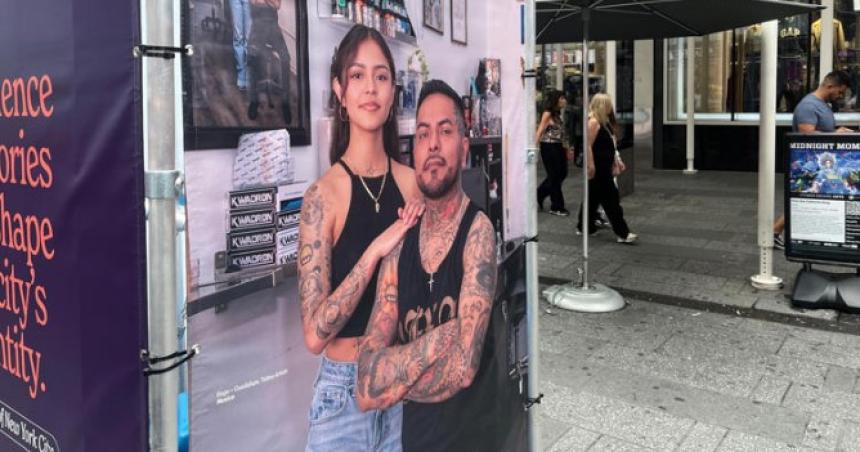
(728, 67)
(846, 48)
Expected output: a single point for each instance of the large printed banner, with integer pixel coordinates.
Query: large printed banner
(72, 263)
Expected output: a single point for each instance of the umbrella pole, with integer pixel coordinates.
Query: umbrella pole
(585, 297)
(586, 225)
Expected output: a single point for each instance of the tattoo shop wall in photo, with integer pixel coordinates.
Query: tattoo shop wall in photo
(249, 70)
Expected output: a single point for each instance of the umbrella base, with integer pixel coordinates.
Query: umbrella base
(766, 282)
(597, 298)
(690, 172)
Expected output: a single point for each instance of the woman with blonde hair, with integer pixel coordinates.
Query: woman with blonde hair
(602, 156)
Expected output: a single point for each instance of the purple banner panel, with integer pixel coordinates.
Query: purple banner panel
(72, 257)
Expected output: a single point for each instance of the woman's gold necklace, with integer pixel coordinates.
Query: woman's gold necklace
(369, 193)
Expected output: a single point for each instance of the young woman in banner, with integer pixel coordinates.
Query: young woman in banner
(352, 217)
(604, 163)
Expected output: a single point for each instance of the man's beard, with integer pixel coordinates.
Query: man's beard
(443, 187)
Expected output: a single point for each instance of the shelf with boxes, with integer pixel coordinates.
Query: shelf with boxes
(389, 17)
(264, 231)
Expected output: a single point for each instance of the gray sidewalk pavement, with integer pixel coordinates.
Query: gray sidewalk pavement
(697, 246)
(666, 378)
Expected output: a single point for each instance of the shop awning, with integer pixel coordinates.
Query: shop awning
(560, 21)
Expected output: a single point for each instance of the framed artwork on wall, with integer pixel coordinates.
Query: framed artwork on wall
(249, 71)
(459, 28)
(434, 15)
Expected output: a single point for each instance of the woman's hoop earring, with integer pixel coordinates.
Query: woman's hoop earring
(341, 112)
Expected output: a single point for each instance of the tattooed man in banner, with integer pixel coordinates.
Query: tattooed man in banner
(426, 334)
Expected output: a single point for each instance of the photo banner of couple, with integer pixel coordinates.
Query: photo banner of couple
(292, 292)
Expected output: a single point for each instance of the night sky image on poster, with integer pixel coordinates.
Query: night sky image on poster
(828, 173)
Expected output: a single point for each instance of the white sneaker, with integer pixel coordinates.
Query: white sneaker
(631, 237)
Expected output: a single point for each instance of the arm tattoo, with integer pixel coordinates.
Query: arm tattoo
(312, 206)
(386, 372)
(325, 310)
(457, 370)
(333, 315)
(439, 364)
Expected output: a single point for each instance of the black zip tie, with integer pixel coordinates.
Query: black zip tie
(532, 401)
(529, 73)
(168, 53)
(184, 356)
(532, 239)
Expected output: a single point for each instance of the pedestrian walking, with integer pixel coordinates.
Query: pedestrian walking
(604, 163)
(554, 152)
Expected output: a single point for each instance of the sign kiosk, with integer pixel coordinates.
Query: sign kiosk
(822, 211)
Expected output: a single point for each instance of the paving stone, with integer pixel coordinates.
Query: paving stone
(551, 431)
(770, 390)
(840, 379)
(744, 365)
(642, 337)
(555, 341)
(564, 371)
(676, 277)
(740, 271)
(610, 444)
(822, 403)
(703, 438)
(823, 433)
(795, 370)
(736, 413)
(850, 440)
(848, 342)
(637, 425)
(556, 270)
(742, 248)
(728, 337)
(732, 380)
(742, 442)
(823, 353)
(575, 439)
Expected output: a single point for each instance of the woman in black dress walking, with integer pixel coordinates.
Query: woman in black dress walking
(602, 156)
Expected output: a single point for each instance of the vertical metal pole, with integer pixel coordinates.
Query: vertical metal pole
(611, 71)
(691, 107)
(559, 67)
(532, 294)
(826, 42)
(766, 159)
(586, 18)
(159, 117)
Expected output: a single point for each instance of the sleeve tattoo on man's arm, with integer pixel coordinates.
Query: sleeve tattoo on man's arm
(457, 368)
(386, 372)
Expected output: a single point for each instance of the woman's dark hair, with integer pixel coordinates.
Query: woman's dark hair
(343, 58)
(550, 104)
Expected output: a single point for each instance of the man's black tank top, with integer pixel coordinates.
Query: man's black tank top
(451, 425)
(362, 226)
